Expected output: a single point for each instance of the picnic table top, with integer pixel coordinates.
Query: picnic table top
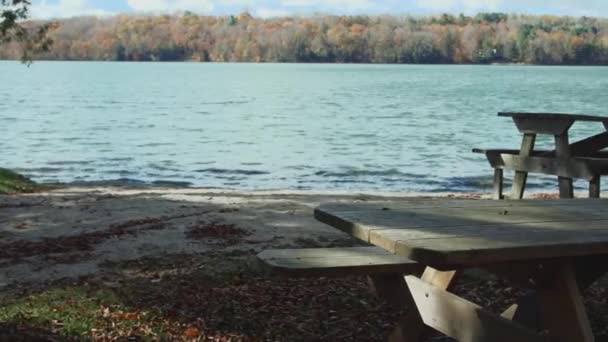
(555, 116)
(449, 232)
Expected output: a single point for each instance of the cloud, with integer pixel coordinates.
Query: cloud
(273, 8)
(468, 6)
(64, 9)
(164, 6)
(566, 7)
(343, 5)
(271, 12)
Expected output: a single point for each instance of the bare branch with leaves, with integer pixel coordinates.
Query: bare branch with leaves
(13, 28)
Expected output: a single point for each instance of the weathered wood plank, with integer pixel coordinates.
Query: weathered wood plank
(590, 146)
(531, 125)
(397, 204)
(360, 223)
(410, 327)
(450, 252)
(526, 225)
(461, 319)
(562, 151)
(495, 153)
(472, 235)
(557, 116)
(500, 151)
(498, 184)
(562, 308)
(566, 187)
(336, 262)
(577, 117)
(585, 168)
(521, 176)
(594, 187)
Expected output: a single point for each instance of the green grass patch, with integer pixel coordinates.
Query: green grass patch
(71, 311)
(74, 313)
(12, 182)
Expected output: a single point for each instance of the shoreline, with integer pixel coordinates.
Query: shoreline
(160, 189)
(75, 231)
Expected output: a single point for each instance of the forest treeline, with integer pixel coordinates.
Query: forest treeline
(483, 38)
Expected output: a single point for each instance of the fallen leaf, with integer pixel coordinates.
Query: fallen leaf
(192, 332)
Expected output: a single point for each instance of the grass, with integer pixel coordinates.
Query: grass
(12, 182)
(186, 298)
(70, 311)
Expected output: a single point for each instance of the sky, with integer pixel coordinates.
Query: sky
(269, 8)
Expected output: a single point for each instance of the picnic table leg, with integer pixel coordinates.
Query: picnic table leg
(594, 188)
(391, 287)
(562, 309)
(498, 184)
(519, 181)
(527, 310)
(562, 149)
(411, 328)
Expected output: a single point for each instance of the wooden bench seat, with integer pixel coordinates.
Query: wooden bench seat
(336, 262)
(589, 165)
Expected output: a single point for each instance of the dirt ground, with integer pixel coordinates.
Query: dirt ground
(187, 258)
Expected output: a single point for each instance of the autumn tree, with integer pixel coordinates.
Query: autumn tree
(483, 38)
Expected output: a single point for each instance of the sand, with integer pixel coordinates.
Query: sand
(74, 232)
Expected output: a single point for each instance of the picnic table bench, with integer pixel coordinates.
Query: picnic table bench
(555, 248)
(582, 159)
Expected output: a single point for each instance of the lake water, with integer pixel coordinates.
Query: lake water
(272, 126)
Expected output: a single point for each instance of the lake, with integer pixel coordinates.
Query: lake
(401, 128)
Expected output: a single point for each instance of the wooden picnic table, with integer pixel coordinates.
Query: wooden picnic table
(555, 248)
(582, 159)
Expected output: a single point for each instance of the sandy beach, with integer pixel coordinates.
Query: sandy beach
(74, 232)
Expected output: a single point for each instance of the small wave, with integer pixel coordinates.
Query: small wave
(120, 172)
(389, 117)
(162, 167)
(299, 167)
(466, 183)
(119, 182)
(368, 173)
(69, 162)
(352, 181)
(72, 139)
(234, 102)
(391, 106)
(362, 135)
(39, 170)
(155, 144)
(332, 104)
(96, 143)
(172, 184)
(233, 172)
(118, 159)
